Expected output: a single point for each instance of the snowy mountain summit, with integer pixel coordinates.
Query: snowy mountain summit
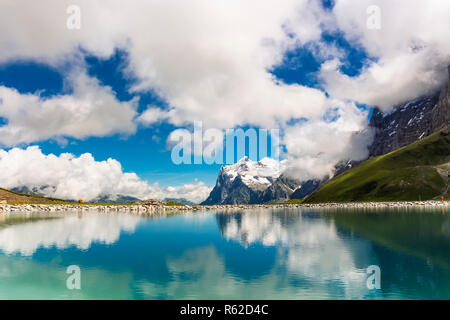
(252, 182)
(257, 175)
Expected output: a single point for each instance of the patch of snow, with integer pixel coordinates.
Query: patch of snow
(385, 114)
(408, 104)
(255, 173)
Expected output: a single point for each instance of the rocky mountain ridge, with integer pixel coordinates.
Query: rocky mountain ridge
(410, 121)
(252, 182)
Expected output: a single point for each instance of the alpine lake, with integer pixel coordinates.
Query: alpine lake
(393, 253)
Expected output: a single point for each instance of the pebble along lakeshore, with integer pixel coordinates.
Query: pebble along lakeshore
(161, 209)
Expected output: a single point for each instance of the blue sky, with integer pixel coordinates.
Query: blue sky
(146, 152)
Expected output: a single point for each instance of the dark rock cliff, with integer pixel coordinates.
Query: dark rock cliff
(410, 121)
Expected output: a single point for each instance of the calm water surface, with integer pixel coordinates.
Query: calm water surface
(254, 254)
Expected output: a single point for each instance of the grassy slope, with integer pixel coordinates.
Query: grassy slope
(13, 197)
(409, 173)
(16, 197)
(171, 203)
(294, 201)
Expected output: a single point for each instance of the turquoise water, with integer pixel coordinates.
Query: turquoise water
(254, 254)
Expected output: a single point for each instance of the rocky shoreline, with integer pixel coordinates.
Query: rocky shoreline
(163, 209)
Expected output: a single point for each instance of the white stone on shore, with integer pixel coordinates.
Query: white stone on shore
(162, 209)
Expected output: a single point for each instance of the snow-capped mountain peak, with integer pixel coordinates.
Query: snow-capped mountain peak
(249, 181)
(255, 174)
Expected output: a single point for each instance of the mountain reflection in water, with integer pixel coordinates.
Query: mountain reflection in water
(253, 254)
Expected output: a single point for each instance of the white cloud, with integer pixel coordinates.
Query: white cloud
(70, 177)
(196, 192)
(91, 110)
(208, 59)
(314, 147)
(211, 61)
(152, 115)
(411, 50)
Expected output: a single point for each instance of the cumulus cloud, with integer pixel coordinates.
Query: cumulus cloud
(313, 148)
(208, 59)
(196, 192)
(152, 115)
(70, 177)
(409, 52)
(91, 110)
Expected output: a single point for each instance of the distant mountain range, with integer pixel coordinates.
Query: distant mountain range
(43, 190)
(261, 182)
(112, 199)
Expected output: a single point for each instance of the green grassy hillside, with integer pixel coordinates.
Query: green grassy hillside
(418, 171)
(13, 197)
